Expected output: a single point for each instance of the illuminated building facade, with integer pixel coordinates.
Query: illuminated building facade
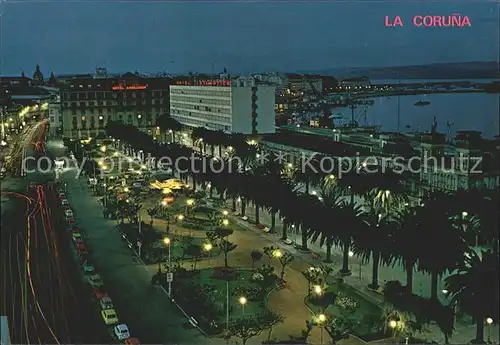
(221, 105)
(88, 103)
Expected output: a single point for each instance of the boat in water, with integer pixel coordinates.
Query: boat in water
(422, 103)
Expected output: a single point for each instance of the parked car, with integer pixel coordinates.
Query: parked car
(65, 202)
(109, 316)
(76, 236)
(106, 303)
(99, 293)
(121, 331)
(95, 280)
(82, 248)
(62, 195)
(88, 268)
(68, 213)
(132, 341)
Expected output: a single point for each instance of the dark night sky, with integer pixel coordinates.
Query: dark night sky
(67, 37)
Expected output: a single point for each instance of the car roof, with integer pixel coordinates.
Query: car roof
(109, 311)
(122, 327)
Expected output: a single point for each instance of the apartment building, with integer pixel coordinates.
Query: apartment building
(305, 83)
(220, 105)
(88, 103)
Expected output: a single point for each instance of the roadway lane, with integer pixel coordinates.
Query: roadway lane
(145, 308)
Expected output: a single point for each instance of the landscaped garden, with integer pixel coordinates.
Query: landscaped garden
(381, 234)
(217, 296)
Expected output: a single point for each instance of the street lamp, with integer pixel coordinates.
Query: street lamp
(393, 324)
(225, 212)
(168, 243)
(321, 321)
(277, 254)
(180, 217)
(317, 290)
(225, 222)
(208, 247)
(489, 322)
(243, 301)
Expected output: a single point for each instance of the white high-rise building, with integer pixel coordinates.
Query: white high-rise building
(219, 105)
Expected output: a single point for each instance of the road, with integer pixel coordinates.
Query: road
(42, 296)
(146, 309)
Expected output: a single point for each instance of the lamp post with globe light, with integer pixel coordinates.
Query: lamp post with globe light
(207, 247)
(393, 324)
(168, 242)
(243, 301)
(321, 322)
(489, 322)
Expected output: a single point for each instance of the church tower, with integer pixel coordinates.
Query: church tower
(37, 76)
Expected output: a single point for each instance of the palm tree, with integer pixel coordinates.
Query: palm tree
(350, 219)
(327, 215)
(444, 246)
(198, 135)
(167, 123)
(406, 235)
(307, 174)
(374, 241)
(475, 289)
(389, 194)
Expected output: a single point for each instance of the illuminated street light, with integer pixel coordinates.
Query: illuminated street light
(225, 212)
(317, 289)
(243, 300)
(393, 324)
(126, 190)
(190, 202)
(103, 148)
(321, 318)
(164, 203)
(115, 154)
(207, 247)
(225, 222)
(180, 217)
(351, 254)
(464, 214)
(277, 253)
(489, 321)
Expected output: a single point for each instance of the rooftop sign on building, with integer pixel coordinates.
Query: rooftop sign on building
(211, 82)
(123, 86)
